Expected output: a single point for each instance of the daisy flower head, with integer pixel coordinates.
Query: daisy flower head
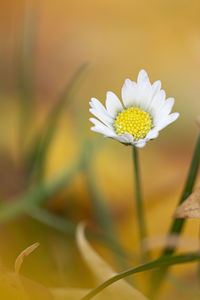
(143, 112)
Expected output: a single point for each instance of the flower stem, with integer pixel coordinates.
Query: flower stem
(139, 202)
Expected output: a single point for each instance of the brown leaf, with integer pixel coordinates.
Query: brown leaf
(190, 208)
(19, 260)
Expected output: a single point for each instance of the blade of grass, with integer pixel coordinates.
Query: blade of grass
(108, 232)
(52, 220)
(157, 263)
(178, 224)
(38, 153)
(68, 227)
(26, 64)
(40, 193)
(103, 215)
(102, 212)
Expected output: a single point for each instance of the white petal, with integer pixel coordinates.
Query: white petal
(128, 92)
(113, 104)
(152, 134)
(143, 95)
(101, 116)
(156, 85)
(168, 120)
(128, 137)
(124, 138)
(164, 110)
(143, 77)
(99, 111)
(140, 144)
(101, 128)
(157, 103)
(154, 90)
(96, 104)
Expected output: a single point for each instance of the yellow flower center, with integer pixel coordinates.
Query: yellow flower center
(134, 121)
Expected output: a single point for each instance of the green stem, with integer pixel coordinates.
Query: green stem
(139, 202)
(163, 261)
(178, 224)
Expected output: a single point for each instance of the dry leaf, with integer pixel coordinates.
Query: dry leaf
(19, 260)
(190, 208)
(102, 271)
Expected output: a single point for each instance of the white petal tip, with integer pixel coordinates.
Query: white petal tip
(109, 93)
(175, 116)
(93, 120)
(128, 82)
(178, 115)
(142, 76)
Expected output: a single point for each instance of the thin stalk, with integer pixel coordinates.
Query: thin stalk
(163, 261)
(178, 224)
(139, 202)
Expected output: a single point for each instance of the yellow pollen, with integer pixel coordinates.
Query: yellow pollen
(134, 121)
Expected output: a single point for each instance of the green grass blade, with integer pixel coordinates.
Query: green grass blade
(104, 217)
(39, 149)
(26, 71)
(68, 227)
(157, 263)
(52, 220)
(42, 192)
(178, 224)
(38, 195)
(101, 210)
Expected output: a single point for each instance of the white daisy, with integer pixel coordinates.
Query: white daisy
(144, 112)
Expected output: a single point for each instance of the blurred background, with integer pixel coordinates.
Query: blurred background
(54, 172)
